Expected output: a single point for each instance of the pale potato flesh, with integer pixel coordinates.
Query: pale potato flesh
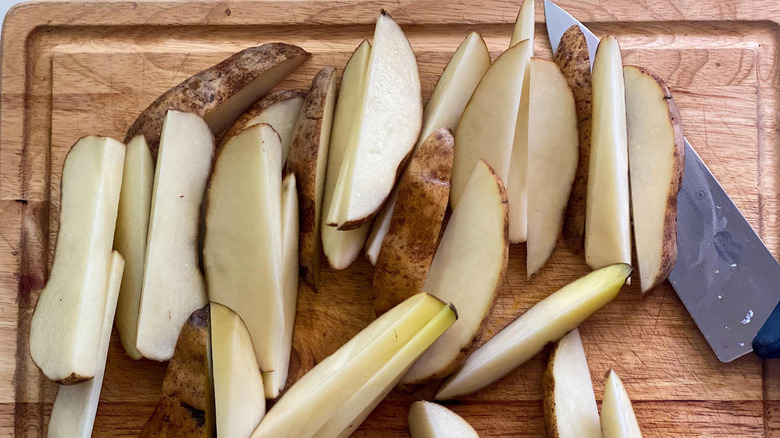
(517, 180)
(281, 116)
(443, 110)
(607, 222)
(545, 322)
(552, 159)
(468, 270)
(68, 318)
(524, 25)
(132, 223)
(431, 420)
(341, 248)
(238, 385)
(173, 286)
(327, 387)
(74, 409)
(569, 403)
(242, 250)
(656, 150)
(387, 126)
(617, 415)
(486, 129)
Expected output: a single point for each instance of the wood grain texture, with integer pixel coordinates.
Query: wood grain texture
(72, 68)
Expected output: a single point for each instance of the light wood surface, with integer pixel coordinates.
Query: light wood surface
(73, 68)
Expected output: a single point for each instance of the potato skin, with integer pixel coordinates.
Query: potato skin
(548, 398)
(184, 407)
(204, 91)
(669, 252)
(305, 151)
(574, 60)
(411, 242)
(254, 110)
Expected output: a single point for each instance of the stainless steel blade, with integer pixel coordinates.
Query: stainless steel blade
(725, 275)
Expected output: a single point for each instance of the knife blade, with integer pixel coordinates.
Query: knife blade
(724, 275)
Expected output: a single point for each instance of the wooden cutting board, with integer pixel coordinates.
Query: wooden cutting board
(74, 68)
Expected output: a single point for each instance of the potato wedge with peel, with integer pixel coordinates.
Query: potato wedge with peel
(656, 153)
(431, 420)
(68, 318)
(74, 409)
(346, 385)
(221, 93)
(243, 245)
(468, 270)
(341, 248)
(308, 160)
(132, 224)
(617, 415)
(574, 60)
(524, 25)
(443, 110)
(545, 322)
(239, 398)
(387, 126)
(409, 247)
(607, 216)
(186, 407)
(280, 109)
(570, 409)
(552, 159)
(173, 285)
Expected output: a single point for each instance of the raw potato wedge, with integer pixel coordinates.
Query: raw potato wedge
(524, 25)
(387, 126)
(617, 415)
(547, 321)
(430, 420)
(242, 249)
(574, 60)
(341, 248)
(186, 407)
(607, 217)
(239, 398)
(656, 153)
(570, 409)
(468, 270)
(345, 386)
(308, 161)
(221, 92)
(68, 318)
(173, 285)
(132, 224)
(411, 242)
(552, 159)
(74, 409)
(280, 109)
(443, 110)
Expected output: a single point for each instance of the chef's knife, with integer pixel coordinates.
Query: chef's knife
(725, 276)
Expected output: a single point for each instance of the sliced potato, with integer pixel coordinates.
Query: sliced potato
(524, 25)
(430, 420)
(617, 415)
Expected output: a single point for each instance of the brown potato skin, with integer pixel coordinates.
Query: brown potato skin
(302, 161)
(255, 110)
(573, 59)
(204, 91)
(669, 252)
(186, 395)
(548, 398)
(410, 244)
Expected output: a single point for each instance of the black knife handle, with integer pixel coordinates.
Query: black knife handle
(766, 344)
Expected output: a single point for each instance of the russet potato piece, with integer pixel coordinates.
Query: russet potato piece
(68, 319)
(545, 322)
(656, 152)
(173, 285)
(468, 270)
(443, 110)
(617, 415)
(431, 420)
(524, 24)
(74, 409)
(308, 161)
(290, 278)
(221, 93)
(570, 409)
(411, 242)
(607, 217)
